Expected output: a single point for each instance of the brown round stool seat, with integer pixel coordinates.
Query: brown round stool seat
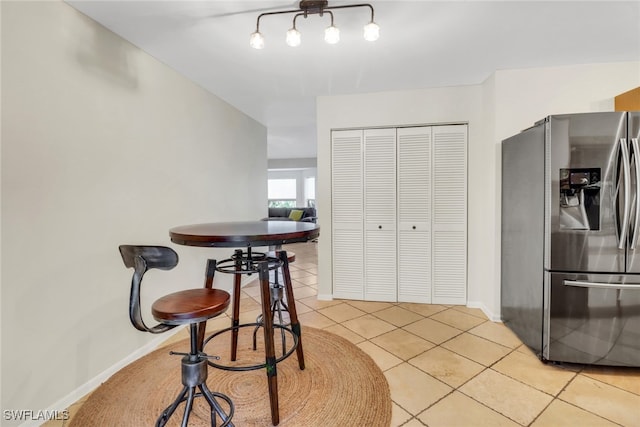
(190, 306)
(291, 256)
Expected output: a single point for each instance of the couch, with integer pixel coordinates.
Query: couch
(291, 214)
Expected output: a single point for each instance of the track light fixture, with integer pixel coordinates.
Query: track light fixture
(314, 7)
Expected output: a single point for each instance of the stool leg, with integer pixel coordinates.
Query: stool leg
(166, 414)
(270, 353)
(291, 306)
(216, 409)
(282, 305)
(235, 319)
(187, 407)
(277, 305)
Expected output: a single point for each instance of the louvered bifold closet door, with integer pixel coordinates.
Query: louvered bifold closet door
(450, 214)
(347, 214)
(380, 255)
(414, 214)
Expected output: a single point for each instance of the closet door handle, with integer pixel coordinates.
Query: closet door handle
(379, 227)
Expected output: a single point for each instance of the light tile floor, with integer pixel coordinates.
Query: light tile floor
(451, 366)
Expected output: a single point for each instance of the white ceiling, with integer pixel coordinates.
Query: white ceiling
(422, 44)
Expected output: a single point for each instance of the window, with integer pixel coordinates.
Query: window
(282, 193)
(310, 191)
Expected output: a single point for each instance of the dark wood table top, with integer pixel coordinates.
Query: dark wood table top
(244, 234)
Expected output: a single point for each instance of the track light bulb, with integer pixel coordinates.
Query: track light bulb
(371, 31)
(332, 35)
(293, 37)
(256, 40)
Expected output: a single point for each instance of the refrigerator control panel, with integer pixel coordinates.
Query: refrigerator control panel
(580, 199)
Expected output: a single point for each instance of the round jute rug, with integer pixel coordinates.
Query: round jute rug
(340, 386)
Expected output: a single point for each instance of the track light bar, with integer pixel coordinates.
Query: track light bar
(315, 7)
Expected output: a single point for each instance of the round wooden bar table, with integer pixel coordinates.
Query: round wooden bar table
(244, 234)
(251, 234)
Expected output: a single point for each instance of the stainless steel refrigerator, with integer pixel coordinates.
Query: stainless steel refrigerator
(570, 264)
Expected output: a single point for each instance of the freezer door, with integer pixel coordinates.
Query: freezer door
(591, 318)
(633, 135)
(588, 174)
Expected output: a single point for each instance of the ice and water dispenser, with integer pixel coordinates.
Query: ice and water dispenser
(580, 199)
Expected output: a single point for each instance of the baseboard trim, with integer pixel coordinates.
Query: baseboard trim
(490, 314)
(95, 382)
(325, 297)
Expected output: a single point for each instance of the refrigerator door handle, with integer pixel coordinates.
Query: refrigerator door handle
(624, 149)
(583, 284)
(636, 222)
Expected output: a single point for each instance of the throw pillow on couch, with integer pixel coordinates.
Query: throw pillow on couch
(296, 214)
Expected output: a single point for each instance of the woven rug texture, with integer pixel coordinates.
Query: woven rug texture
(340, 386)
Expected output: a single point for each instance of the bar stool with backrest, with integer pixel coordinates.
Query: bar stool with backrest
(191, 307)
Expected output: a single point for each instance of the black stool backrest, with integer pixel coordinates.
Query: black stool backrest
(141, 259)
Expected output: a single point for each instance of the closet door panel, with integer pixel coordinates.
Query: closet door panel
(414, 266)
(414, 176)
(348, 268)
(449, 214)
(380, 266)
(347, 213)
(380, 177)
(380, 255)
(449, 271)
(414, 214)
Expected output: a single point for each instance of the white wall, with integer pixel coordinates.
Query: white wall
(504, 104)
(101, 145)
